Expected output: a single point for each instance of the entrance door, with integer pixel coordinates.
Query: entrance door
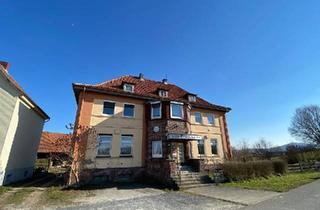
(180, 150)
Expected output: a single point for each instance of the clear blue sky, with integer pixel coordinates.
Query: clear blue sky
(262, 58)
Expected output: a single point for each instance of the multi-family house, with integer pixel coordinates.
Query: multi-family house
(21, 123)
(147, 128)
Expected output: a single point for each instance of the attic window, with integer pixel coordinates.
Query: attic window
(192, 98)
(163, 93)
(128, 88)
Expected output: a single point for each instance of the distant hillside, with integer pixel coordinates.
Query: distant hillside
(284, 148)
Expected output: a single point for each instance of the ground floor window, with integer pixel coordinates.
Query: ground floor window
(126, 145)
(201, 147)
(104, 144)
(156, 149)
(214, 149)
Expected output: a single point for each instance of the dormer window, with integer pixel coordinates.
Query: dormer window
(128, 88)
(163, 93)
(192, 98)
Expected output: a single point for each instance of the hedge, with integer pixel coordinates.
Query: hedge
(235, 171)
(280, 166)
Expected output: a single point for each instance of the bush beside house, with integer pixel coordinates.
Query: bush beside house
(235, 171)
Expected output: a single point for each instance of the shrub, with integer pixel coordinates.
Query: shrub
(262, 168)
(296, 156)
(279, 166)
(235, 171)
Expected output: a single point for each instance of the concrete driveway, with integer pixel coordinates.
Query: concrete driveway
(306, 197)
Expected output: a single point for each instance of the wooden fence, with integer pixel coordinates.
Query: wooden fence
(299, 167)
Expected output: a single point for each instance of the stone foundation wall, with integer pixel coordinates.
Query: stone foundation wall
(100, 176)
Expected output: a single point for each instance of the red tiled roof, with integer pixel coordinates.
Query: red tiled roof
(147, 89)
(54, 143)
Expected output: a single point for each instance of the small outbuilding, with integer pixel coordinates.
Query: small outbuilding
(54, 148)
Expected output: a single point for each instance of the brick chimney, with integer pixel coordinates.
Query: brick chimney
(5, 65)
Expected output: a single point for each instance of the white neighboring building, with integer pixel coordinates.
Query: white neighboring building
(21, 124)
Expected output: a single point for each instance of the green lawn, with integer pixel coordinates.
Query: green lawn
(56, 195)
(18, 196)
(277, 183)
(4, 189)
(59, 196)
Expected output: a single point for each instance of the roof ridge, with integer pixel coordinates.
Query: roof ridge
(50, 132)
(112, 80)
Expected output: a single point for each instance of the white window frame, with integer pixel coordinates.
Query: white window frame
(163, 93)
(195, 118)
(192, 98)
(216, 140)
(157, 117)
(204, 150)
(114, 109)
(134, 110)
(214, 117)
(182, 112)
(156, 155)
(104, 155)
(125, 85)
(126, 155)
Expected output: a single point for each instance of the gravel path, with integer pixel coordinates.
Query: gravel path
(169, 200)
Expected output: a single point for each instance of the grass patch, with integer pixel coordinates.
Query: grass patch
(56, 195)
(4, 189)
(18, 196)
(60, 196)
(277, 183)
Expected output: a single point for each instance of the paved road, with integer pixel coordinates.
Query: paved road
(168, 200)
(306, 197)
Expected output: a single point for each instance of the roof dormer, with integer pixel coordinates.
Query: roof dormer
(192, 97)
(127, 87)
(163, 93)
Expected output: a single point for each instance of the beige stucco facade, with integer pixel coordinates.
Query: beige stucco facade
(208, 132)
(116, 125)
(20, 145)
(21, 123)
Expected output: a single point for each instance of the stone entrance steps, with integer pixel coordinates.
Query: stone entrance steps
(188, 178)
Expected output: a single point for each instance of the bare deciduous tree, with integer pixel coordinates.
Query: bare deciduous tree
(242, 152)
(74, 147)
(305, 124)
(262, 148)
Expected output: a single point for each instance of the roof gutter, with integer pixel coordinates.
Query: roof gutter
(24, 97)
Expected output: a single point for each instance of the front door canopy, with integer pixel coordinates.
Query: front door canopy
(178, 136)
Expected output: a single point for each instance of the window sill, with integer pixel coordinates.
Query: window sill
(155, 118)
(128, 117)
(126, 156)
(107, 115)
(176, 118)
(103, 156)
